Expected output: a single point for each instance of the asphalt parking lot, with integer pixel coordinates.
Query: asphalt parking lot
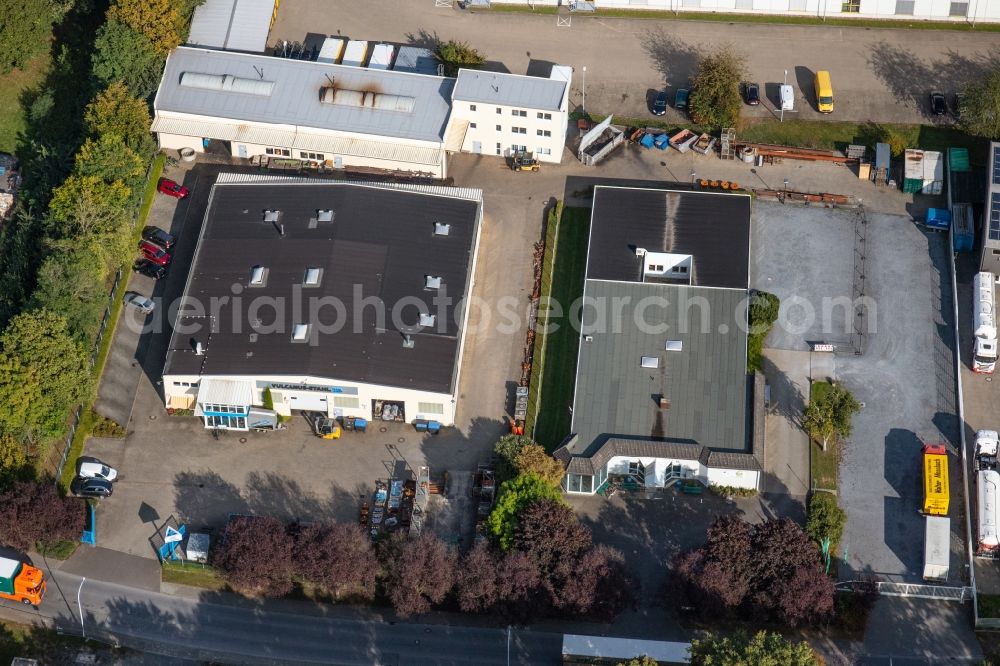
(882, 75)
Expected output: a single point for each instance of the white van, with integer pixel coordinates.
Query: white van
(787, 98)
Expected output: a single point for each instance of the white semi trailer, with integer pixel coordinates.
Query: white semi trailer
(988, 483)
(984, 354)
(937, 547)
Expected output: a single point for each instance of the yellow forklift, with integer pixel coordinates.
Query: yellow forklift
(523, 161)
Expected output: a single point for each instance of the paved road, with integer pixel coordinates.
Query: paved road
(880, 75)
(224, 628)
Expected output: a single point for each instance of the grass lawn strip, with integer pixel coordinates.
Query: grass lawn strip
(560, 344)
(13, 86)
(824, 465)
(545, 293)
(196, 575)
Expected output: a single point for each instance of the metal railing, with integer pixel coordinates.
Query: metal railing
(912, 590)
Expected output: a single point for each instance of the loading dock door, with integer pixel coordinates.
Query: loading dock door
(308, 401)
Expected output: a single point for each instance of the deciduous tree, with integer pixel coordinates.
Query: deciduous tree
(110, 159)
(476, 580)
(519, 587)
(715, 100)
(115, 111)
(338, 557)
(417, 572)
(644, 660)
(157, 20)
(40, 343)
(788, 576)
(124, 55)
(254, 556)
(25, 27)
(88, 206)
(506, 451)
(532, 459)
(515, 496)
(550, 533)
(763, 649)
(601, 586)
(71, 281)
(826, 519)
(20, 395)
(455, 55)
(13, 460)
(32, 512)
(830, 413)
(979, 113)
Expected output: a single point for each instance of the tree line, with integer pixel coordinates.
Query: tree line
(84, 156)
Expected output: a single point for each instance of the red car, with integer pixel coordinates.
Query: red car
(154, 253)
(172, 188)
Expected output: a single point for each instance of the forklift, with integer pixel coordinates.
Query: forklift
(523, 161)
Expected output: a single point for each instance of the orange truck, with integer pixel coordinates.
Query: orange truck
(936, 491)
(21, 582)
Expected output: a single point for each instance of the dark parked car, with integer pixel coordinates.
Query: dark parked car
(172, 188)
(660, 104)
(751, 93)
(149, 269)
(93, 488)
(938, 105)
(159, 236)
(681, 98)
(154, 253)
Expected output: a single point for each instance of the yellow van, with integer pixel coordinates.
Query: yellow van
(824, 92)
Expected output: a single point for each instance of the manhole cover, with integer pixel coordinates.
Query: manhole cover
(152, 417)
(401, 440)
(382, 429)
(243, 440)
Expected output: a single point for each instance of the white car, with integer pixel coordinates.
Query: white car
(141, 303)
(92, 468)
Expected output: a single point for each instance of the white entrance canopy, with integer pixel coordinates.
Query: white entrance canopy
(226, 392)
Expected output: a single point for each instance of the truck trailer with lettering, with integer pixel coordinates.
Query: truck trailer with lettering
(936, 491)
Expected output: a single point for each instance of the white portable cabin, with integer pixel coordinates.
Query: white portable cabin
(988, 483)
(937, 551)
(355, 53)
(331, 51)
(382, 56)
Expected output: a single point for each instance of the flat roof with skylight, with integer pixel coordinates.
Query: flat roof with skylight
(316, 242)
(669, 367)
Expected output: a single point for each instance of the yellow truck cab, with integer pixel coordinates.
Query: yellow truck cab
(21, 582)
(824, 92)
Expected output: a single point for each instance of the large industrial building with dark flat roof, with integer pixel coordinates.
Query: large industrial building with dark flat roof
(328, 297)
(662, 390)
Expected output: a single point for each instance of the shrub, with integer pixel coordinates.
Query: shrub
(254, 556)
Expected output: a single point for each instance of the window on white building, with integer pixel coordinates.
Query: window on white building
(544, 133)
(519, 130)
(499, 128)
(851, 6)
(430, 408)
(655, 268)
(544, 116)
(279, 152)
(499, 110)
(904, 7)
(499, 149)
(472, 107)
(958, 9)
(472, 125)
(319, 157)
(544, 151)
(519, 113)
(346, 401)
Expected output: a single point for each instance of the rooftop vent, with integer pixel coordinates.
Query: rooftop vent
(272, 216)
(441, 229)
(650, 362)
(258, 276)
(324, 215)
(199, 349)
(300, 332)
(675, 345)
(366, 100)
(432, 282)
(227, 83)
(427, 320)
(407, 341)
(312, 276)
(640, 252)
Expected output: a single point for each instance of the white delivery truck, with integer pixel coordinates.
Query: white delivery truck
(984, 355)
(937, 551)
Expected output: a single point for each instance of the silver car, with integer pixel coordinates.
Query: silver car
(92, 468)
(139, 302)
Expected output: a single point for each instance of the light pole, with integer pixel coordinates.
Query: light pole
(508, 645)
(584, 105)
(83, 629)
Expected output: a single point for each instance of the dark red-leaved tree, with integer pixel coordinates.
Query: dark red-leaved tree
(254, 556)
(338, 557)
(519, 587)
(417, 572)
(476, 580)
(602, 587)
(716, 577)
(550, 532)
(33, 512)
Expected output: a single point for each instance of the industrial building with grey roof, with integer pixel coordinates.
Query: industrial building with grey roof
(661, 371)
(353, 287)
